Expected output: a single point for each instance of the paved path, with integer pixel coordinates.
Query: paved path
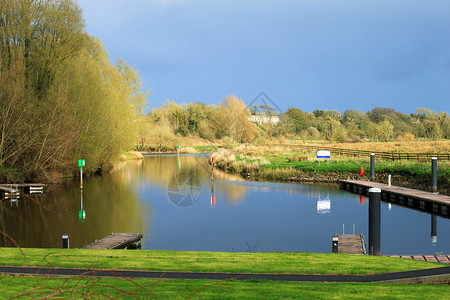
(436, 275)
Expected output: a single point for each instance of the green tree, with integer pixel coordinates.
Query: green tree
(297, 120)
(197, 113)
(386, 130)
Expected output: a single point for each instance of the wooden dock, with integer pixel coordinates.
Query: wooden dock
(416, 199)
(116, 241)
(349, 244)
(30, 188)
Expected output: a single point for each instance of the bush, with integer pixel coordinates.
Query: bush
(407, 137)
(260, 141)
(313, 133)
(227, 142)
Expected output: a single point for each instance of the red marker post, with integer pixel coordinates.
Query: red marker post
(212, 167)
(213, 201)
(361, 172)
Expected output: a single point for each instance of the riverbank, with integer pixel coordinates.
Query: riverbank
(290, 164)
(184, 261)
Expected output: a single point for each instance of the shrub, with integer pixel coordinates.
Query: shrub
(407, 137)
(227, 142)
(259, 141)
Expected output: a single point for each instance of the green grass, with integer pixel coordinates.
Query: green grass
(30, 287)
(351, 165)
(156, 260)
(354, 165)
(206, 148)
(25, 287)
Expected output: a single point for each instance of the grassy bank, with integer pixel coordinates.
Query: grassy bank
(206, 289)
(289, 163)
(191, 261)
(297, 263)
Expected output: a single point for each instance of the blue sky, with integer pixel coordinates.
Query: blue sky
(310, 54)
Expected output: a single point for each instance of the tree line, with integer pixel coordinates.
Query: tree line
(61, 99)
(230, 121)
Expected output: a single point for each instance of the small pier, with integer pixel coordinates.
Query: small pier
(416, 199)
(13, 190)
(116, 241)
(349, 244)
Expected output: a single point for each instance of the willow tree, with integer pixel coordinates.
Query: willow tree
(232, 119)
(60, 97)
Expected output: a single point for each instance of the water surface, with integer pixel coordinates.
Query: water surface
(171, 200)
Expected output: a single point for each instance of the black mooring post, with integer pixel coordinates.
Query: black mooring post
(372, 166)
(65, 241)
(433, 229)
(334, 247)
(434, 174)
(374, 221)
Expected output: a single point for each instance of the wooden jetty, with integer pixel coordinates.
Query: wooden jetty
(349, 244)
(416, 199)
(30, 188)
(116, 241)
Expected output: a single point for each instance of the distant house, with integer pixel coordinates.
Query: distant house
(262, 119)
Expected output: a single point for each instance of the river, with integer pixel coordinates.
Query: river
(170, 199)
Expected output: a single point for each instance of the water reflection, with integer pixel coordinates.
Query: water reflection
(184, 189)
(324, 205)
(113, 207)
(213, 198)
(174, 202)
(433, 229)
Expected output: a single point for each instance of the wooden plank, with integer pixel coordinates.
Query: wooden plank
(418, 257)
(115, 241)
(350, 244)
(430, 258)
(443, 259)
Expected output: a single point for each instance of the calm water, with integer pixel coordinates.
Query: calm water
(171, 200)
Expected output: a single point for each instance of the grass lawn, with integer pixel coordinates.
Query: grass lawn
(98, 288)
(25, 287)
(192, 261)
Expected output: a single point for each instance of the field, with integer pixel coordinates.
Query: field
(411, 147)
